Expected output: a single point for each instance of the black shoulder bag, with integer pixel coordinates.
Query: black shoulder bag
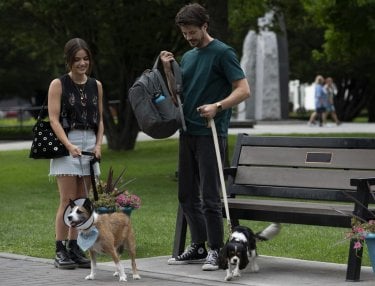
(45, 144)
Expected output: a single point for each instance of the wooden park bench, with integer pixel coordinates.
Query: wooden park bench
(299, 180)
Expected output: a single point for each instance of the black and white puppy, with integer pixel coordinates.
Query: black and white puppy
(240, 249)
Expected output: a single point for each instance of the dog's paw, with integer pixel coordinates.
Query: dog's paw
(236, 274)
(254, 267)
(122, 278)
(228, 278)
(90, 277)
(136, 277)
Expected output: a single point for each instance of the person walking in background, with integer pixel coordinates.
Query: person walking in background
(213, 82)
(80, 98)
(321, 103)
(331, 91)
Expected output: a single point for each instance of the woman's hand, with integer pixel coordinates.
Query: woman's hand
(98, 151)
(74, 150)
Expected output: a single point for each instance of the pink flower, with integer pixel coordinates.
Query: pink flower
(127, 200)
(357, 245)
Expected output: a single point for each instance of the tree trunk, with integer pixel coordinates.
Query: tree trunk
(218, 10)
(352, 97)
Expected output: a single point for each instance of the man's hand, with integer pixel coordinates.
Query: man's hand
(166, 57)
(207, 110)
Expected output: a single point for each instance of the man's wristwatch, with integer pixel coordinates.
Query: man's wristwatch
(219, 106)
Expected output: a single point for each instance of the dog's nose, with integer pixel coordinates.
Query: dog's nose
(70, 218)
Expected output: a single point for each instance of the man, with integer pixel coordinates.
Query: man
(213, 82)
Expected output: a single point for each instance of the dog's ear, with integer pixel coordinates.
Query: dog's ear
(244, 260)
(223, 258)
(71, 203)
(87, 204)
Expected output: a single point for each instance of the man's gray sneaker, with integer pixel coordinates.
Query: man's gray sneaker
(211, 262)
(195, 253)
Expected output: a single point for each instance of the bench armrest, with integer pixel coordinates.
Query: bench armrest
(230, 171)
(358, 181)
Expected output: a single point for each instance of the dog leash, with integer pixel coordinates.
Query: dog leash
(211, 123)
(92, 173)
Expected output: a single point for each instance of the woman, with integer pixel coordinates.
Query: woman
(78, 98)
(321, 103)
(331, 91)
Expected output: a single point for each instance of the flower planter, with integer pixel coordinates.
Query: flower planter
(105, 210)
(127, 210)
(370, 241)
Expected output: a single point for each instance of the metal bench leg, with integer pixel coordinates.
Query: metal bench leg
(353, 272)
(180, 233)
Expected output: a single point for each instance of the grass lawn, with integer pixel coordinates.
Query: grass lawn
(29, 200)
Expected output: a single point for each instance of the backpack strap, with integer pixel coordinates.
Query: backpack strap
(176, 98)
(176, 73)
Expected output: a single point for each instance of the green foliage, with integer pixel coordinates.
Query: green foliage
(324, 36)
(349, 29)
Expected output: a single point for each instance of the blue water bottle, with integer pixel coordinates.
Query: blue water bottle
(159, 98)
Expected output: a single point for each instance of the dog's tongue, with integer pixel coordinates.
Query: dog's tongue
(73, 224)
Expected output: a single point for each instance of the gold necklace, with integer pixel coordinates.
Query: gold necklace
(81, 91)
(80, 87)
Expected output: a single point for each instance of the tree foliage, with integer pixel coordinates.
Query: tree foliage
(346, 51)
(333, 38)
(125, 37)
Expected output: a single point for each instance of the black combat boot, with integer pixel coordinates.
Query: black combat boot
(62, 258)
(77, 255)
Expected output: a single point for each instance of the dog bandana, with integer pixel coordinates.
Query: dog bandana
(87, 239)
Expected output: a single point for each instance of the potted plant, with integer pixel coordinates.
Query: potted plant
(112, 198)
(363, 231)
(360, 231)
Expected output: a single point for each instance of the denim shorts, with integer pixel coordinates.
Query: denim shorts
(69, 166)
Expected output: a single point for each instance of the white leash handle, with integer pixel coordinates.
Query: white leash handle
(211, 124)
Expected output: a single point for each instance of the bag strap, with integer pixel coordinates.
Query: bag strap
(176, 72)
(177, 86)
(42, 108)
(92, 174)
(64, 122)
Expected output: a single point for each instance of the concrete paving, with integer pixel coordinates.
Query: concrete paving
(19, 269)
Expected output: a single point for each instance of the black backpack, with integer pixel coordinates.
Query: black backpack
(158, 112)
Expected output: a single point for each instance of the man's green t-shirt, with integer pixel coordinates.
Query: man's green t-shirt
(208, 74)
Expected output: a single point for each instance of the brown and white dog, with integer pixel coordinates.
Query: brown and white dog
(102, 233)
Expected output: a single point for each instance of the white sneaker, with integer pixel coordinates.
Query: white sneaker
(211, 262)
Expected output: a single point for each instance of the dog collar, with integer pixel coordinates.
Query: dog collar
(84, 225)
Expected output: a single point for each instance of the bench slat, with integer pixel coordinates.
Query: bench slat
(291, 212)
(295, 193)
(299, 177)
(307, 157)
